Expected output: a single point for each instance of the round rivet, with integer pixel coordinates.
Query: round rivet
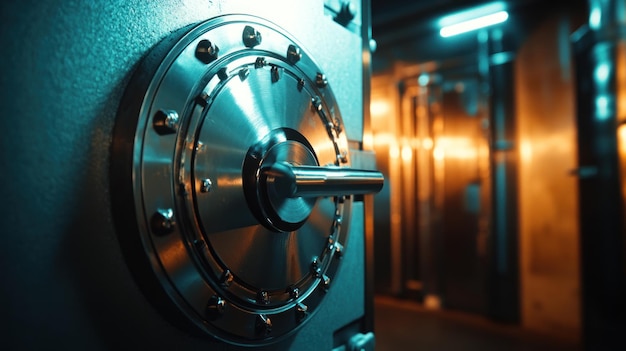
(216, 305)
(260, 62)
(163, 221)
(251, 37)
(263, 324)
(206, 51)
(206, 186)
(301, 312)
(315, 267)
(325, 281)
(244, 73)
(263, 297)
(294, 292)
(321, 81)
(293, 54)
(165, 121)
(276, 73)
(227, 278)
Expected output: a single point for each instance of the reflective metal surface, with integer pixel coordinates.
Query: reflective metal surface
(230, 102)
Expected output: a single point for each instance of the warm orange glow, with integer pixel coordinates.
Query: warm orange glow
(407, 153)
(459, 147)
(394, 152)
(427, 143)
(526, 151)
(379, 108)
(438, 153)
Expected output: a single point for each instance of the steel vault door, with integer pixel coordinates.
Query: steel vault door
(227, 201)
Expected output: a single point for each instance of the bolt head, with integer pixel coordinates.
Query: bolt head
(206, 51)
(320, 80)
(263, 324)
(293, 54)
(216, 306)
(263, 297)
(276, 73)
(162, 221)
(251, 37)
(301, 312)
(207, 185)
(165, 121)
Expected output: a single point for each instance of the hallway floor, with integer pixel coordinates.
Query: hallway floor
(401, 325)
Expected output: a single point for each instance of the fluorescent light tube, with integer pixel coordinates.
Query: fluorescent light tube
(473, 24)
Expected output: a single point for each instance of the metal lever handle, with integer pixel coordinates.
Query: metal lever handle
(314, 181)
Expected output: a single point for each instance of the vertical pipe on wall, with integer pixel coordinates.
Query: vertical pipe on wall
(503, 300)
(599, 48)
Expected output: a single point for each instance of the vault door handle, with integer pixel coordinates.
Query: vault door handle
(315, 181)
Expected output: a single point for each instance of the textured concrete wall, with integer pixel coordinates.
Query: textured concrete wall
(63, 68)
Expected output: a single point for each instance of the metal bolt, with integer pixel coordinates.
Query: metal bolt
(165, 121)
(216, 305)
(293, 54)
(344, 156)
(315, 268)
(301, 312)
(221, 74)
(244, 73)
(251, 37)
(338, 250)
(325, 281)
(202, 99)
(331, 243)
(346, 13)
(263, 324)
(316, 102)
(294, 292)
(227, 278)
(337, 126)
(206, 51)
(320, 80)
(163, 221)
(206, 186)
(263, 297)
(276, 73)
(301, 83)
(259, 62)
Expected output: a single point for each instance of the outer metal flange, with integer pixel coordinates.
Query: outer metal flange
(207, 112)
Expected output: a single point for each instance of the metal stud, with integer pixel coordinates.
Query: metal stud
(263, 325)
(320, 80)
(338, 250)
(162, 221)
(165, 121)
(222, 74)
(216, 306)
(316, 103)
(301, 311)
(276, 73)
(301, 83)
(315, 267)
(227, 278)
(251, 37)
(263, 297)
(206, 51)
(206, 186)
(202, 99)
(244, 73)
(294, 292)
(260, 62)
(325, 281)
(293, 54)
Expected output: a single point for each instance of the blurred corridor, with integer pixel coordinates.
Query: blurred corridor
(503, 147)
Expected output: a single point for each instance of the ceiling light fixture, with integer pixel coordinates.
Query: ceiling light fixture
(474, 23)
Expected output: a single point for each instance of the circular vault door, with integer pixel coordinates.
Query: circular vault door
(232, 182)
